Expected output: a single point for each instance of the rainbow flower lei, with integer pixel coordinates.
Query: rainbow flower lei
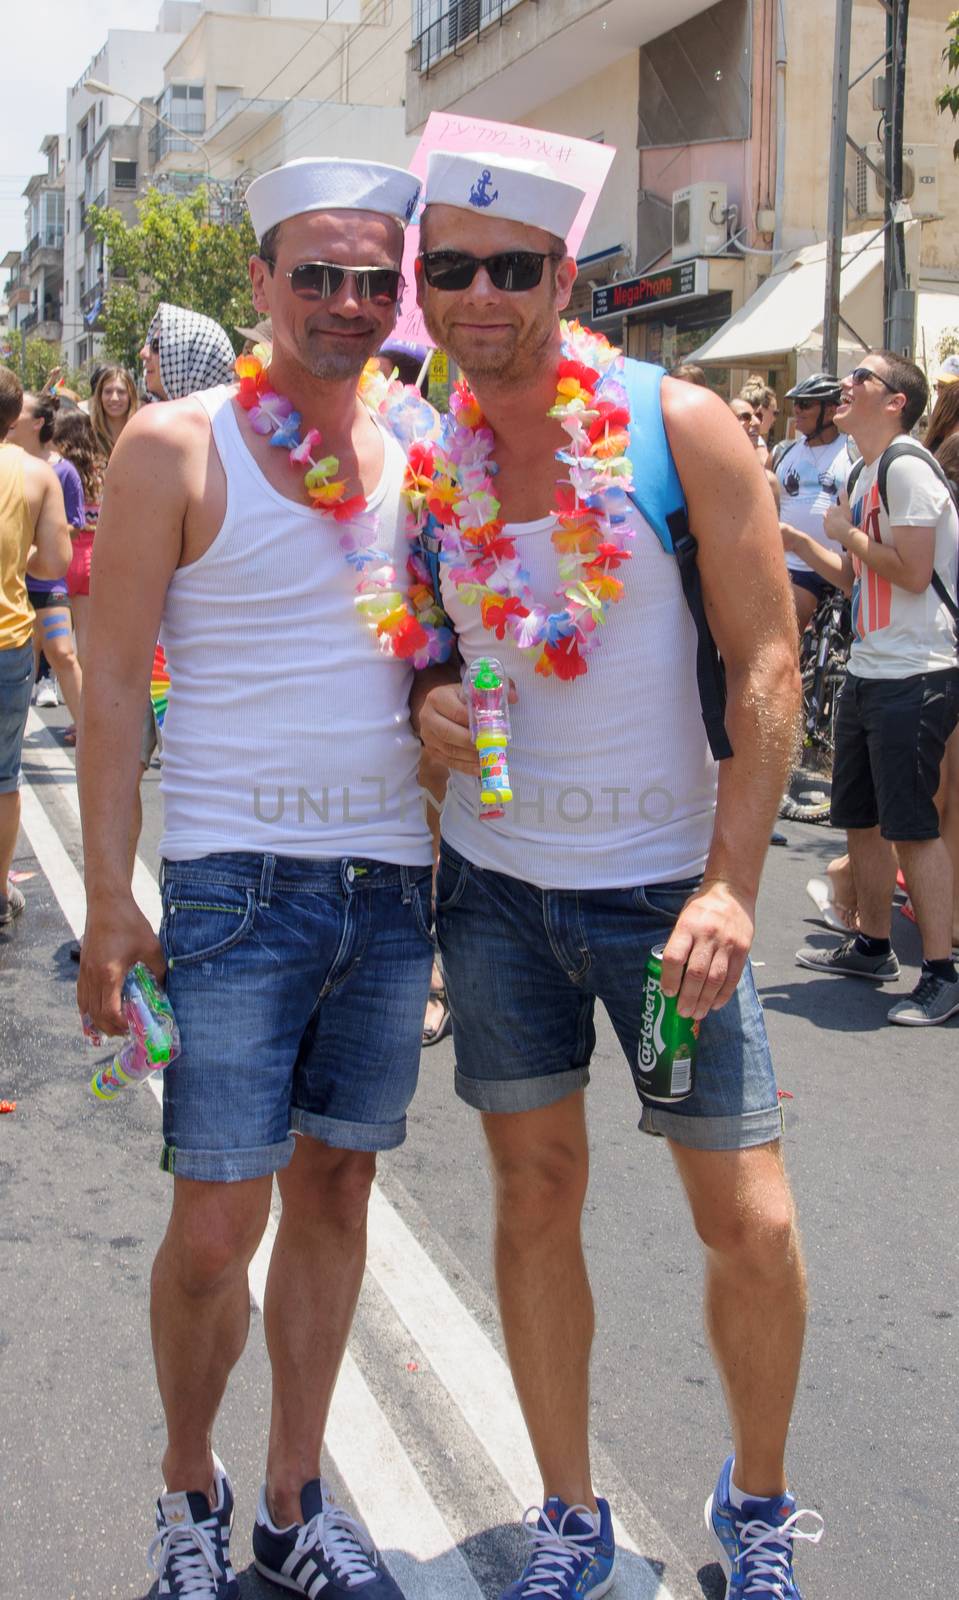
(410, 626)
(591, 528)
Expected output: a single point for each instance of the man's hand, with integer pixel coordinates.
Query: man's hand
(837, 524)
(117, 935)
(444, 727)
(711, 940)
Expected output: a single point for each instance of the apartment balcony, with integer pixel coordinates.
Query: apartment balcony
(45, 249)
(91, 305)
(29, 322)
(164, 142)
(500, 58)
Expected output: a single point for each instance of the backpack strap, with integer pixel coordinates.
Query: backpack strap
(780, 452)
(657, 494)
(911, 447)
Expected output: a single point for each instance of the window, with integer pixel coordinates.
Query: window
(694, 80)
(124, 174)
(66, 292)
(100, 119)
(84, 135)
(69, 149)
(225, 98)
(69, 224)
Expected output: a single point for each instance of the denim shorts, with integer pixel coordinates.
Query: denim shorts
(16, 685)
(524, 968)
(299, 988)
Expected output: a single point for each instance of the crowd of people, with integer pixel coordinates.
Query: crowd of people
(310, 520)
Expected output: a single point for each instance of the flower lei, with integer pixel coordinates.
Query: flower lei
(411, 627)
(455, 479)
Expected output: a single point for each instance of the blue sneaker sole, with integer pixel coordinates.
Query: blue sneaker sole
(724, 1560)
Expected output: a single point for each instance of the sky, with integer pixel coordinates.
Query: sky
(44, 52)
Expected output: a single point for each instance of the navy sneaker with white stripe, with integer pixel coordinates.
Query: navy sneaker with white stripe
(191, 1552)
(329, 1553)
(756, 1542)
(569, 1559)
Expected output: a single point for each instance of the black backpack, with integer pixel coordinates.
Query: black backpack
(909, 447)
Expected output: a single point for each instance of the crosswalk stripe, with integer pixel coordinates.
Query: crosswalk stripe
(388, 1491)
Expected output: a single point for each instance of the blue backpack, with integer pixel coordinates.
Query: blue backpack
(658, 495)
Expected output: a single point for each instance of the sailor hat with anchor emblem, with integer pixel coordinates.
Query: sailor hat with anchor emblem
(503, 186)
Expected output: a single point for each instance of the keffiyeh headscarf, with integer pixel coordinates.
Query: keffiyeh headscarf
(195, 353)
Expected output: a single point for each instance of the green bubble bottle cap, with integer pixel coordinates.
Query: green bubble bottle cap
(486, 676)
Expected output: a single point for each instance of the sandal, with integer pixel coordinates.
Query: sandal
(443, 1027)
(841, 918)
(70, 735)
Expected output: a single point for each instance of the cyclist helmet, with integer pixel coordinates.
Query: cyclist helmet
(821, 386)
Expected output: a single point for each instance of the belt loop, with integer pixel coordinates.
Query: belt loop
(266, 880)
(406, 890)
(162, 874)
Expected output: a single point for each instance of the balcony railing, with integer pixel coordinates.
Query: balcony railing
(459, 22)
(48, 238)
(164, 140)
(29, 321)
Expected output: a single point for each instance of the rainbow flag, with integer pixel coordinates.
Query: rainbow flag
(159, 685)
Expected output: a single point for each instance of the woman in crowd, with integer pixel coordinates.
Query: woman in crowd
(112, 404)
(944, 421)
(763, 400)
(74, 438)
(33, 431)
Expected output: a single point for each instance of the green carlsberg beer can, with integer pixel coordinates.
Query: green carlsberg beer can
(667, 1042)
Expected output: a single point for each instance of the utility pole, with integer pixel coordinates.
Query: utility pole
(836, 213)
(899, 301)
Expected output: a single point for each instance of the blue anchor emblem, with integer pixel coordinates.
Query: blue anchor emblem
(479, 194)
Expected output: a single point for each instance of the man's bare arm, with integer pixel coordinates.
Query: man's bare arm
(835, 567)
(746, 591)
(138, 548)
(51, 551)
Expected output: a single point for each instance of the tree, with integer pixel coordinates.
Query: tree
(33, 365)
(175, 253)
(948, 100)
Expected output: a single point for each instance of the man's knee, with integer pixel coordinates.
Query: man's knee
(540, 1182)
(212, 1235)
(324, 1187)
(749, 1218)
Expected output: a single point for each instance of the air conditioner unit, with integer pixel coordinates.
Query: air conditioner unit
(699, 221)
(920, 185)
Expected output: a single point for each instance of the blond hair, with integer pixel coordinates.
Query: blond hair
(98, 417)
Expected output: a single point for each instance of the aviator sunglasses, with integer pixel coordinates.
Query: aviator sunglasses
(863, 374)
(321, 280)
(512, 270)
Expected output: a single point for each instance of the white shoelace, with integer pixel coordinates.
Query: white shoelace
(767, 1549)
(188, 1548)
(555, 1553)
(344, 1542)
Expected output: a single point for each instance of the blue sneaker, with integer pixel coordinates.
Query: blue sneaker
(569, 1560)
(329, 1553)
(756, 1543)
(191, 1552)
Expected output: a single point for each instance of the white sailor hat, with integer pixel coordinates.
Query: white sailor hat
(324, 183)
(503, 186)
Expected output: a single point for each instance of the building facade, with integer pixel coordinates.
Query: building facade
(721, 124)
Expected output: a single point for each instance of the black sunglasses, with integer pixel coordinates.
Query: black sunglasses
(155, 344)
(863, 374)
(321, 280)
(512, 270)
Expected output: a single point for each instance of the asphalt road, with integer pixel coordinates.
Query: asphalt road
(432, 1458)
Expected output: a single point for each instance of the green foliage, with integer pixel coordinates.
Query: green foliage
(34, 364)
(172, 253)
(948, 100)
(948, 343)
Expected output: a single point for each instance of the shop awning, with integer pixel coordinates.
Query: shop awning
(784, 316)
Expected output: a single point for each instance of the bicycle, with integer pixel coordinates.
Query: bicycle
(823, 654)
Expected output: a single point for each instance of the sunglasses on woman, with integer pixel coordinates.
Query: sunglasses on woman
(321, 280)
(515, 271)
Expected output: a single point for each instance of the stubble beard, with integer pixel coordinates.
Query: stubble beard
(518, 359)
(331, 363)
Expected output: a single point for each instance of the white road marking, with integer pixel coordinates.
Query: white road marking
(388, 1491)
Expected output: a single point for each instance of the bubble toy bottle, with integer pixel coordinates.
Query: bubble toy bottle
(152, 1041)
(487, 697)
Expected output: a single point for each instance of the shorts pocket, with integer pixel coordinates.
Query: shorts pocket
(667, 899)
(421, 899)
(451, 879)
(198, 927)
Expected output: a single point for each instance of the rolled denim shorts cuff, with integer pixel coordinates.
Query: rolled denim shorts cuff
(11, 785)
(349, 1135)
(227, 1166)
(740, 1132)
(520, 1094)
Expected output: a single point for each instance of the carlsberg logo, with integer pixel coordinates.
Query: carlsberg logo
(651, 1043)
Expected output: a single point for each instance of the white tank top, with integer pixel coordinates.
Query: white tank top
(613, 781)
(287, 731)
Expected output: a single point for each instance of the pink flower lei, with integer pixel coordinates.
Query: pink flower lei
(410, 625)
(591, 505)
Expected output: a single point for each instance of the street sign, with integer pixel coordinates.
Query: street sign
(685, 281)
